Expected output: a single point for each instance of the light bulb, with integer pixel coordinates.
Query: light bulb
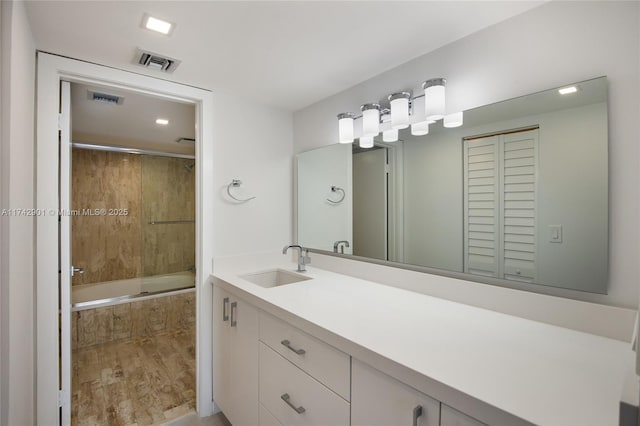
(420, 129)
(453, 120)
(390, 135)
(366, 141)
(400, 110)
(370, 119)
(345, 127)
(434, 99)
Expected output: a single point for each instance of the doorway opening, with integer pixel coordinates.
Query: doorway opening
(132, 247)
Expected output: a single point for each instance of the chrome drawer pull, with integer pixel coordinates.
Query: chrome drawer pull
(288, 345)
(285, 398)
(234, 321)
(225, 303)
(417, 412)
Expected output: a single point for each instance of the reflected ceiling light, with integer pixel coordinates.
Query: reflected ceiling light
(345, 127)
(162, 121)
(434, 102)
(370, 119)
(399, 109)
(366, 141)
(567, 90)
(420, 129)
(157, 25)
(390, 135)
(453, 120)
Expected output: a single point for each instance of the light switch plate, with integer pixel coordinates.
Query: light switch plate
(555, 233)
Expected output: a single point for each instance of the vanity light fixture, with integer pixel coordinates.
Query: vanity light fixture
(568, 90)
(399, 109)
(162, 121)
(366, 141)
(434, 101)
(345, 127)
(158, 25)
(370, 119)
(403, 111)
(453, 120)
(420, 129)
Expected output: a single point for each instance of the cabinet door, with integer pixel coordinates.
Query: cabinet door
(451, 417)
(221, 350)
(380, 400)
(235, 358)
(244, 361)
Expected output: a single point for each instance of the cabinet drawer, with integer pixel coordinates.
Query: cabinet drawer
(380, 400)
(325, 363)
(294, 397)
(451, 417)
(267, 419)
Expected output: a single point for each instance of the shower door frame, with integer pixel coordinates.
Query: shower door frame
(52, 70)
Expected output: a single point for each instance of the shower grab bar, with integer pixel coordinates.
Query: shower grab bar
(169, 222)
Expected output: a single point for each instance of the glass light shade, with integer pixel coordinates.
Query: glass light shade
(434, 99)
(453, 120)
(420, 129)
(366, 141)
(390, 135)
(370, 119)
(345, 127)
(399, 110)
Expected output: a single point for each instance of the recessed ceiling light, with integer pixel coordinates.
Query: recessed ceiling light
(162, 121)
(157, 25)
(567, 90)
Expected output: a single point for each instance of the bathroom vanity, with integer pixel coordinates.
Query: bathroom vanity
(331, 349)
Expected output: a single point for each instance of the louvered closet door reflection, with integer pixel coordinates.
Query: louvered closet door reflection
(500, 205)
(481, 206)
(518, 188)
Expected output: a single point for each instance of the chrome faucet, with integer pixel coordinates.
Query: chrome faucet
(342, 244)
(302, 259)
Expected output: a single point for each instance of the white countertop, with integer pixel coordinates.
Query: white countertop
(544, 374)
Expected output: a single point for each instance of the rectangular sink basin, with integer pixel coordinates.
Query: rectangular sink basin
(274, 278)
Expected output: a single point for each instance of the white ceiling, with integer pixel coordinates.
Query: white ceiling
(288, 54)
(131, 123)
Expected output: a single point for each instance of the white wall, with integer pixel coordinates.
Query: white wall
(17, 244)
(543, 48)
(252, 143)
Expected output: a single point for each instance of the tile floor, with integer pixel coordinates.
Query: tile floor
(145, 381)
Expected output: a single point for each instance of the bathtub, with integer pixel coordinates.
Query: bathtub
(85, 296)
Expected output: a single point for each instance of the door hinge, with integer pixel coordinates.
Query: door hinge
(60, 117)
(63, 398)
(387, 168)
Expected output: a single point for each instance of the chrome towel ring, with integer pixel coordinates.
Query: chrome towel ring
(235, 183)
(337, 189)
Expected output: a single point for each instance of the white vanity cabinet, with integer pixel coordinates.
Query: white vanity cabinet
(303, 381)
(235, 357)
(380, 400)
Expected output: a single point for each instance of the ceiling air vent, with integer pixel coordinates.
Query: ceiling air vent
(105, 98)
(156, 62)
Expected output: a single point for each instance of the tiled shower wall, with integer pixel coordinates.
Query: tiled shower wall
(117, 246)
(132, 320)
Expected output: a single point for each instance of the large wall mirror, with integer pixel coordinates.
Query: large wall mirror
(518, 193)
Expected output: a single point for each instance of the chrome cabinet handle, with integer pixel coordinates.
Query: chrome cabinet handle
(288, 345)
(234, 306)
(225, 303)
(285, 398)
(417, 412)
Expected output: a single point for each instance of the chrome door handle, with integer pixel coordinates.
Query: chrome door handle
(288, 345)
(225, 303)
(285, 398)
(417, 412)
(234, 306)
(78, 270)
